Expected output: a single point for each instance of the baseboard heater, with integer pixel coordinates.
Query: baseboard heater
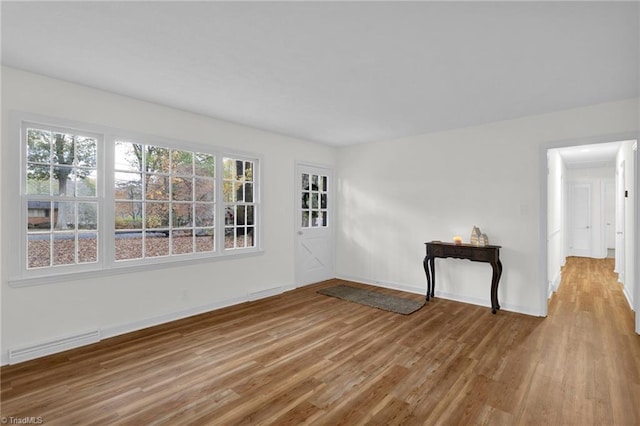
(27, 353)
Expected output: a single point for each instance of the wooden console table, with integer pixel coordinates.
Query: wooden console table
(488, 254)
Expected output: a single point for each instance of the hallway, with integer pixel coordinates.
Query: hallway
(588, 370)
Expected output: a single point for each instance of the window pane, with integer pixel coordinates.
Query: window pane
(39, 216)
(88, 216)
(229, 239)
(157, 215)
(128, 186)
(248, 192)
(128, 245)
(239, 192)
(314, 182)
(182, 189)
(38, 146)
(240, 215)
(204, 189)
(314, 219)
(228, 169)
(38, 179)
(182, 242)
(64, 248)
(156, 244)
(157, 159)
(39, 251)
(128, 216)
(86, 184)
(251, 242)
(63, 149)
(324, 218)
(239, 169)
(87, 247)
(64, 181)
(305, 181)
(305, 219)
(65, 215)
(240, 237)
(86, 152)
(305, 200)
(250, 215)
(323, 201)
(182, 215)
(128, 156)
(205, 165)
(204, 240)
(324, 184)
(182, 162)
(314, 200)
(157, 187)
(227, 190)
(205, 214)
(229, 215)
(248, 171)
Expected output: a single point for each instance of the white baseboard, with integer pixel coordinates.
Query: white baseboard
(261, 294)
(628, 296)
(444, 295)
(386, 284)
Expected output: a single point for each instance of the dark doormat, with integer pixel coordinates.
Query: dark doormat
(386, 302)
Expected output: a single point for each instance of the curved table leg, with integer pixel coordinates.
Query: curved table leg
(425, 263)
(497, 272)
(432, 266)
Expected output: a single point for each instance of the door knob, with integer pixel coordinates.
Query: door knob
(300, 232)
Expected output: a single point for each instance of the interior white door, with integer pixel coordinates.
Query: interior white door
(314, 224)
(580, 220)
(620, 218)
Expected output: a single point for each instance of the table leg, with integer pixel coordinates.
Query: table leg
(432, 266)
(425, 264)
(497, 272)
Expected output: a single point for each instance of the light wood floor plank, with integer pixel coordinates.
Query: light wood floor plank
(302, 358)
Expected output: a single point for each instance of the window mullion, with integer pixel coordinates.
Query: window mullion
(108, 224)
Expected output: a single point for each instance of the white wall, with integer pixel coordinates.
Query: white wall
(555, 218)
(395, 195)
(124, 302)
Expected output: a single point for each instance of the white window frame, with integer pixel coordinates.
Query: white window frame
(20, 275)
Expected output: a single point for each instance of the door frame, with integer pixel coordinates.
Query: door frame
(636, 180)
(621, 215)
(332, 215)
(543, 285)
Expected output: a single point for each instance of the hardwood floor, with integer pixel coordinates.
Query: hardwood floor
(305, 358)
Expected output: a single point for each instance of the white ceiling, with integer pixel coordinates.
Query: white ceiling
(337, 72)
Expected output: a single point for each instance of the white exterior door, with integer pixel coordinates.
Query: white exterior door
(314, 224)
(580, 220)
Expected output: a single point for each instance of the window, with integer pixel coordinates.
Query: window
(88, 208)
(314, 200)
(164, 201)
(239, 205)
(60, 198)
